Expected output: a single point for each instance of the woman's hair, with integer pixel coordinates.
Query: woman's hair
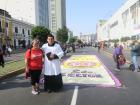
(34, 40)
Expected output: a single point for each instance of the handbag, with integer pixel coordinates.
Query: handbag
(121, 59)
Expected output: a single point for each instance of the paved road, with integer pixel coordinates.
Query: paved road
(16, 90)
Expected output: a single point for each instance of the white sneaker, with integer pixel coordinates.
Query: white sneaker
(34, 92)
(136, 70)
(117, 69)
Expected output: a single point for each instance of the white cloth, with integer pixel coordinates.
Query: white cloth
(52, 67)
(9, 49)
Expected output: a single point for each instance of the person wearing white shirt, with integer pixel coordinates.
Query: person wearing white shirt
(52, 70)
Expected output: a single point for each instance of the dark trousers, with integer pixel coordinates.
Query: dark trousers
(53, 82)
(35, 76)
(118, 65)
(1, 60)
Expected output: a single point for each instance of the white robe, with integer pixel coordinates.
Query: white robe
(52, 67)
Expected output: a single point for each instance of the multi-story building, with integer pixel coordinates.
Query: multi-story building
(124, 23)
(48, 13)
(57, 14)
(21, 33)
(14, 32)
(89, 38)
(6, 34)
(31, 11)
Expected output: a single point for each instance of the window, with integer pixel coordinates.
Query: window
(23, 31)
(28, 32)
(125, 17)
(114, 24)
(134, 13)
(6, 24)
(16, 30)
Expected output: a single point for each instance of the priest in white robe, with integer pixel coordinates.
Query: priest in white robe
(52, 67)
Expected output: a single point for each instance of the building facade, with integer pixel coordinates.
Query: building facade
(31, 11)
(6, 34)
(21, 33)
(88, 39)
(124, 23)
(57, 14)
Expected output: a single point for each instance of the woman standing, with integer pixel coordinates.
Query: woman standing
(34, 64)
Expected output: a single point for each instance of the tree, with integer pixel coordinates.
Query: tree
(40, 32)
(79, 41)
(114, 40)
(72, 39)
(124, 39)
(62, 35)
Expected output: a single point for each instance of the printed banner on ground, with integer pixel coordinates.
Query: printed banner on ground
(88, 70)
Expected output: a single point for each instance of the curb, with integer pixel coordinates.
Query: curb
(17, 72)
(13, 61)
(12, 74)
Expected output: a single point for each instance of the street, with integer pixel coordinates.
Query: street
(17, 90)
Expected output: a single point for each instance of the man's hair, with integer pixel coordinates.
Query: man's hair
(50, 35)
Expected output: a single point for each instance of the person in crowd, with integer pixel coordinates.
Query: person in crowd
(9, 50)
(73, 47)
(34, 64)
(52, 70)
(116, 55)
(1, 57)
(4, 50)
(99, 46)
(64, 48)
(135, 53)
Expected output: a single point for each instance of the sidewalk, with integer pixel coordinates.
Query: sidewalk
(17, 54)
(15, 65)
(14, 57)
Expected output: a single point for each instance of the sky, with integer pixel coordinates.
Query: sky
(83, 15)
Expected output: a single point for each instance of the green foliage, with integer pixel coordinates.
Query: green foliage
(40, 32)
(114, 40)
(72, 39)
(124, 39)
(62, 35)
(79, 41)
(11, 67)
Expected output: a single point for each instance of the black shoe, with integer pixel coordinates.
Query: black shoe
(3, 65)
(49, 91)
